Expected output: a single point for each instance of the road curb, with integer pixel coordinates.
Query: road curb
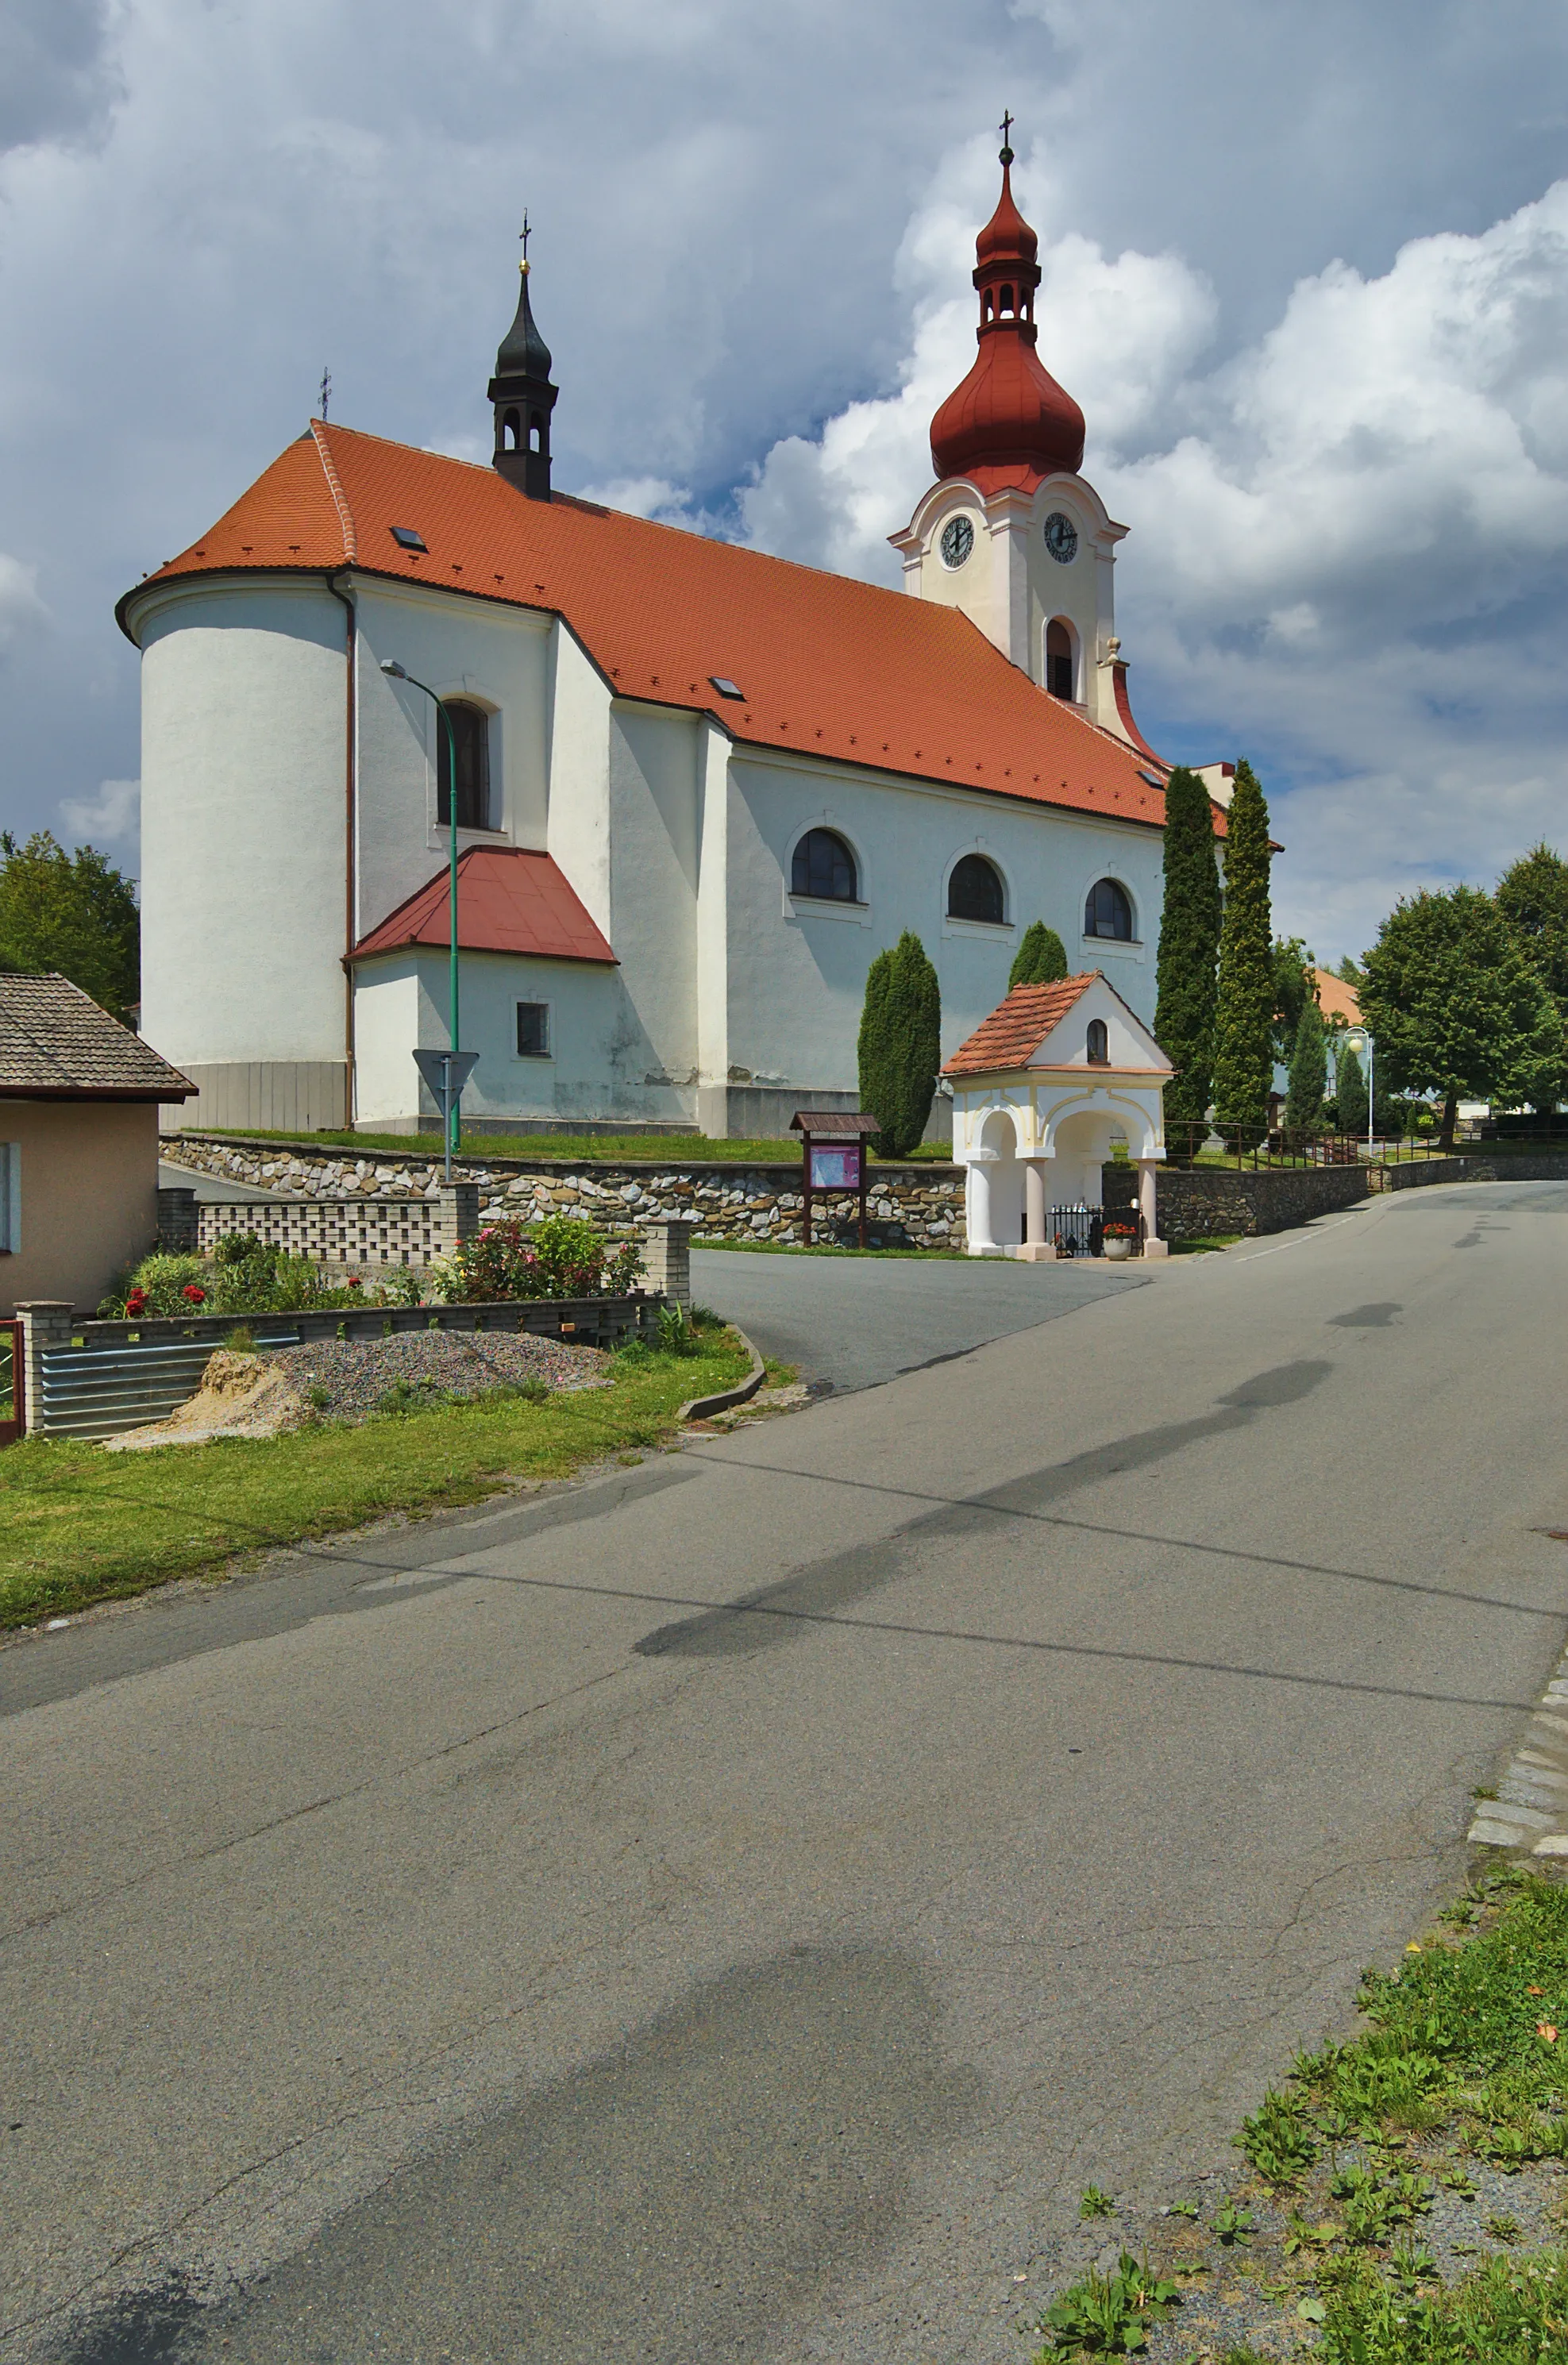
(725, 1400)
(1530, 1810)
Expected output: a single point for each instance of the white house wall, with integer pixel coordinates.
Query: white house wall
(400, 1003)
(462, 648)
(243, 824)
(797, 976)
(654, 760)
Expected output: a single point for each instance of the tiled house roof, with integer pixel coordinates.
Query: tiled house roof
(825, 666)
(56, 1044)
(1016, 1028)
(510, 899)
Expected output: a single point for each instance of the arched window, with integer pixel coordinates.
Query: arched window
(1108, 911)
(511, 431)
(1007, 303)
(1059, 659)
(1099, 1045)
(536, 433)
(471, 731)
(974, 890)
(823, 867)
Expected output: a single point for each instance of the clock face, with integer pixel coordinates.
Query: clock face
(958, 541)
(1062, 537)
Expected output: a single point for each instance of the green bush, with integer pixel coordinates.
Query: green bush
(561, 1256)
(901, 1045)
(1040, 959)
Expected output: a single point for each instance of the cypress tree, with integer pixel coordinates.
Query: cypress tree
(1244, 1015)
(901, 1045)
(1309, 1069)
(1350, 1092)
(1040, 959)
(1189, 948)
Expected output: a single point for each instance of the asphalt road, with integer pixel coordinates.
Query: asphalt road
(857, 1321)
(728, 1911)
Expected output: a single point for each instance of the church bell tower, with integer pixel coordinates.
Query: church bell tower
(524, 397)
(1011, 533)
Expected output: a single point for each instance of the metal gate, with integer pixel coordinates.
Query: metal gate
(1076, 1231)
(13, 1383)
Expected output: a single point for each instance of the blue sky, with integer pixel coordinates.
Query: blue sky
(1306, 270)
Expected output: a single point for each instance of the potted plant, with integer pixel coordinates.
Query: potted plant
(1120, 1238)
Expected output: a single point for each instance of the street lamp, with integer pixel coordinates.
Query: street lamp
(452, 1121)
(1358, 1040)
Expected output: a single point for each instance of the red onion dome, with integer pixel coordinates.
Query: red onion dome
(1010, 415)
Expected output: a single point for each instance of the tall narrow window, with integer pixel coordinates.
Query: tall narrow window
(471, 733)
(533, 1030)
(974, 890)
(1099, 1044)
(1108, 911)
(824, 868)
(1059, 659)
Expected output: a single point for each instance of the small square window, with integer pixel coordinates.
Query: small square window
(726, 687)
(533, 1030)
(405, 538)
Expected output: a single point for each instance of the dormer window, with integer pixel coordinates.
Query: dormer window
(1099, 1044)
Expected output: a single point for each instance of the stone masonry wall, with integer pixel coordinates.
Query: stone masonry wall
(918, 1204)
(1197, 1202)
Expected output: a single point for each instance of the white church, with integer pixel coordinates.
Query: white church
(696, 789)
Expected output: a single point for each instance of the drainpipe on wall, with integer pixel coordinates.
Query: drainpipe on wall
(350, 913)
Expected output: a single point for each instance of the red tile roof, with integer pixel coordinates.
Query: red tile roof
(1339, 1002)
(508, 900)
(1016, 1028)
(828, 666)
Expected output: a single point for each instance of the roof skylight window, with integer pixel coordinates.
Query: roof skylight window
(726, 687)
(1153, 779)
(406, 539)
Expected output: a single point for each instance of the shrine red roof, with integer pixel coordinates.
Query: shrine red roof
(510, 899)
(1016, 1028)
(827, 667)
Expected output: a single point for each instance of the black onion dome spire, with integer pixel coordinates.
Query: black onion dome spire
(523, 397)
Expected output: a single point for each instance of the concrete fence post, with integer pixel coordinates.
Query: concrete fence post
(666, 1258)
(457, 1216)
(178, 1220)
(46, 1322)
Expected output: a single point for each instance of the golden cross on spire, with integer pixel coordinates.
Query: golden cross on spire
(525, 234)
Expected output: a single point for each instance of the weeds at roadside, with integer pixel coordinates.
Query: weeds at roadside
(1365, 2160)
(1093, 2203)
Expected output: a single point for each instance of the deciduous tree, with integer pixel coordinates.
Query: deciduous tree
(1457, 1007)
(1189, 948)
(73, 912)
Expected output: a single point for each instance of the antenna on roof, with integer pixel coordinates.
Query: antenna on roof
(325, 390)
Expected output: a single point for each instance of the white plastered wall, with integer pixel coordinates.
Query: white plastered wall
(497, 658)
(243, 823)
(796, 973)
(1012, 588)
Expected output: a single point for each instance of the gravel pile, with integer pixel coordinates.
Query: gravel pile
(353, 1374)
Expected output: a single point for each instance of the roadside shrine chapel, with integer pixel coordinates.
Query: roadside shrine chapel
(697, 787)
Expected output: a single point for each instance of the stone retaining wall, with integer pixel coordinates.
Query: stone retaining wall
(918, 1204)
(1195, 1203)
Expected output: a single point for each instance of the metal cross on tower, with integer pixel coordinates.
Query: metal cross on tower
(325, 390)
(525, 234)
(1007, 121)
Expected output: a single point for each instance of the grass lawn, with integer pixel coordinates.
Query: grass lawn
(619, 1150)
(79, 1525)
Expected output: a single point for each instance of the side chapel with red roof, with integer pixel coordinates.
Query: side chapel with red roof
(697, 787)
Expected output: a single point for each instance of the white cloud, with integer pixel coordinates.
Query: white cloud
(20, 606)
(111, 818)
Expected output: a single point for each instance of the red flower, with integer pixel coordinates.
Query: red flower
(354, 1281)
(137, 1302)
(193, 1295)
